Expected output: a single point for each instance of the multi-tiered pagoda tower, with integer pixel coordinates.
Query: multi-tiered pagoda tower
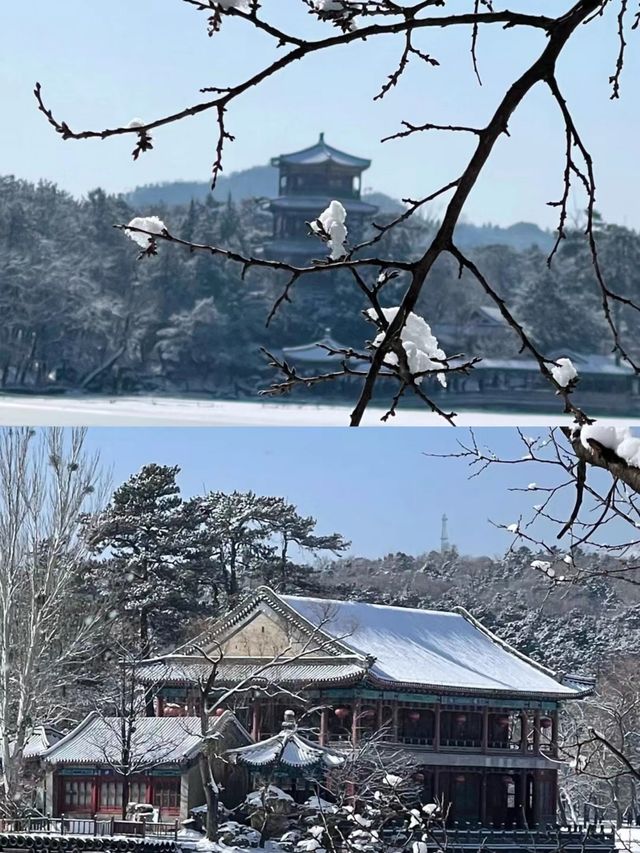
(309, 180)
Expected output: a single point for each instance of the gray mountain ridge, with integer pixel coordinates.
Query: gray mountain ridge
(262, 182)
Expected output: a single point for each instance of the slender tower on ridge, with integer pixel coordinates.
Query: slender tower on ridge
(445, 545)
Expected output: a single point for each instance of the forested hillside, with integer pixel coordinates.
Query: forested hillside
(78, 311)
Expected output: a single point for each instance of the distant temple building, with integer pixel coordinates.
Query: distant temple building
(309, 180)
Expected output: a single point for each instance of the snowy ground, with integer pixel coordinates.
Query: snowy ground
(628, 839)
(172, 411)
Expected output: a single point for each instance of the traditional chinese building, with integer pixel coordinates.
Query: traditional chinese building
(84, 770)
(308, 181)
(477, 720)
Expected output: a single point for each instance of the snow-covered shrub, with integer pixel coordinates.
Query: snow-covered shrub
(235, 834)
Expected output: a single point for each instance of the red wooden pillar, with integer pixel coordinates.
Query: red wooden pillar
(536, 732)
(324, 726)
(255, 720)
(437, 793)
(554, 734)
(537, 801)
(483, 797)
(95, 792)
(395, 728)
(160, 706)
(485, 730)
(524, 731)
(436, 729)
(355, 721)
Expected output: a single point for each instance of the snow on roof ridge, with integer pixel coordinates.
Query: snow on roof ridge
(400, 607)
(503, 643)
(91, 716)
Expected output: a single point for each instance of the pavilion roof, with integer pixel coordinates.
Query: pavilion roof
(319, 153)
(287, 748)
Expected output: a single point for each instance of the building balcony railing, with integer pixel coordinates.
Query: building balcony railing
(416, 741)
(461, 743)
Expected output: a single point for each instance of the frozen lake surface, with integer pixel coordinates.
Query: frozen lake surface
(169, 411)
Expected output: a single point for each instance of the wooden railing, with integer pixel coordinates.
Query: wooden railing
(94, 827)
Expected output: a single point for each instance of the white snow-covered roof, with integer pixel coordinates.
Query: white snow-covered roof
(40, 740)
(427, 648)
(156, 740)
(287, 748)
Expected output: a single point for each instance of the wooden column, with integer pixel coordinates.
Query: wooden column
(483, 797)
(355, 721)
(537, 783)
(536, 731)
(485, 729)
(436, 729)
(324, 726)
(522, 798)
(255, 720)
(95, 791)
(524, 733)
(160, 706)
(554, 734)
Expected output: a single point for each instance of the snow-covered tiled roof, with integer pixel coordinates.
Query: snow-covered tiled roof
(40, 740)
(156, 740)
(187, 669)
(430, 649)
(321, 152)
(288, 748)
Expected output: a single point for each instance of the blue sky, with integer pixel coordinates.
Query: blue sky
(104, 64)
(375, 486)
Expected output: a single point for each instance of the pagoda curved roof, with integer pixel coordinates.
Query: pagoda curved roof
(287, 748)
(319, 153)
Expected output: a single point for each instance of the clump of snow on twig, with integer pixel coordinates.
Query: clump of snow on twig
(618, 439)
(331, 226)
(418, 342)
(241, 5)
(146, 223)
(563, 371)
(335, 8)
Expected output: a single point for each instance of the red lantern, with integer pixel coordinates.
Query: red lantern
(219, 712)
(414, 716)
(461, 719)
(507, 780)
(341, 713)
(503, 721)
(460, 778)
(545, 723)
